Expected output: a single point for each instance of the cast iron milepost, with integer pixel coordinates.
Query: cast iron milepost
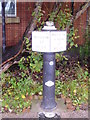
(49, 74)
(48, 41)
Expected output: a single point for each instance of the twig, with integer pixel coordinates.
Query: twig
(8, 65)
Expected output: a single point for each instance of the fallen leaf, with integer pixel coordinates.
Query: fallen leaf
(24, 110)
(75, 91)
(23, 96)
(16, 98)
(6, 109)
(68, 101)
(6, 105)
(31, 97)
(70, 107)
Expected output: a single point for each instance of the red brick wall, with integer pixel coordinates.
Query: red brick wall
(14, 32)
(80, 23)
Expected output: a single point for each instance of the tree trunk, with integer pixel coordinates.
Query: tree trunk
(32, 24)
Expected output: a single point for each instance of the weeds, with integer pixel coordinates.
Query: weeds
(17, 90)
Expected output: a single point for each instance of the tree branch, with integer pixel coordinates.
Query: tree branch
(79, 13)
(33, 22)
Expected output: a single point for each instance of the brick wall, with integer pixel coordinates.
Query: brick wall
(80, 23)
(14, 31)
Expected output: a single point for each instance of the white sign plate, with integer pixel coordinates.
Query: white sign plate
(49, 83)
(49, 41)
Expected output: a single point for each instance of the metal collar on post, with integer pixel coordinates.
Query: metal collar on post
(49, 26)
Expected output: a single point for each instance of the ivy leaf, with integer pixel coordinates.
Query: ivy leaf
(86, 73)
(76, 45)
(71, 44)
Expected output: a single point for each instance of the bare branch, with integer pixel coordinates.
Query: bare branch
(33, 23)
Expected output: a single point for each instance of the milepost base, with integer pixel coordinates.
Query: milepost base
(49, 115)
